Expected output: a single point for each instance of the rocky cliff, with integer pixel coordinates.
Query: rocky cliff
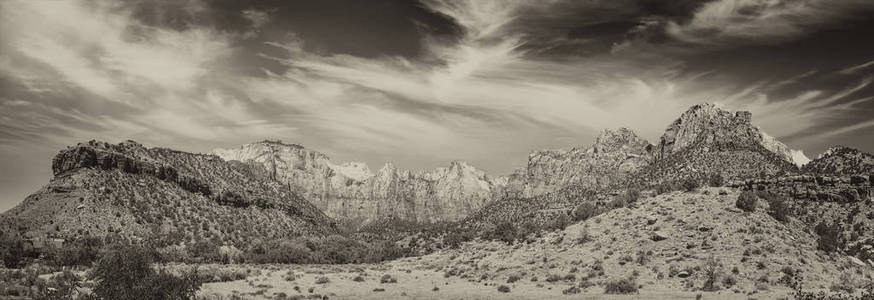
(707, 140)
(351, 191)
(708, 124)
(613, 156)
(126, 189)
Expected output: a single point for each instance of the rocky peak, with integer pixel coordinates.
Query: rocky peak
(841, 160)
(710, 125)
(622, 139)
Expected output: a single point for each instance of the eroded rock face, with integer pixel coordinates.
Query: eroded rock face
(709, 124)
(352, 191)
(614, 155)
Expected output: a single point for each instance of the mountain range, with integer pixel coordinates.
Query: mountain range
(100, 188)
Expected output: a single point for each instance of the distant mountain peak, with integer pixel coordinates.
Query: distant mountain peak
(841, 160)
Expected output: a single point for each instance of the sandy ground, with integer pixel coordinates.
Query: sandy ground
(272, 283)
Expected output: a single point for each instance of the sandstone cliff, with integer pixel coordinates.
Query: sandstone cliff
(707, 140)
(613, 156)
(351, 191)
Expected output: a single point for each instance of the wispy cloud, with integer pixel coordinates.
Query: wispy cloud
(763, 21)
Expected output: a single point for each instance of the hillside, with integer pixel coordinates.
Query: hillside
(665, 243)
(133, 192)
(841, 160)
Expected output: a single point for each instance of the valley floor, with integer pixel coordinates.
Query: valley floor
(270, 282)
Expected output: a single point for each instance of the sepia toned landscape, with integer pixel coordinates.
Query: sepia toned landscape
(436, 149)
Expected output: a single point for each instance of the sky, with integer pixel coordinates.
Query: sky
(420, 83)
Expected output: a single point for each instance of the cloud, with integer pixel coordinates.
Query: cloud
(763, 21)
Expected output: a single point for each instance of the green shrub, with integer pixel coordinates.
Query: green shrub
(747, 201)
(621, 286)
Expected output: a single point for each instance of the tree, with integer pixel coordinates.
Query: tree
(126, 273)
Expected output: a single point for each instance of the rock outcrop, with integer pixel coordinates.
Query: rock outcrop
(708, 124)
(707, 140)
(613, 156)
(841, 160)
(351, 191)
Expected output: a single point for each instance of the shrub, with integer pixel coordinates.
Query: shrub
(778, 207)
(387, 279)
(746, 201)
(584, 211)
(504, 289)
(711, 274)
(621, 286)
(663, 188)
(504, 231)
(12, 251)
(716, 180)
(830, 237)
(358, 278)
(690, 185)
(513, 278)
(126, 273)
(631, 196)
(322, 280)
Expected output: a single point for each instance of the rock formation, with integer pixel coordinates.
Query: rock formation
(102, 189)
(613, 156)
(841, 161)
(707, 140)
(351, 191)
(709, 124)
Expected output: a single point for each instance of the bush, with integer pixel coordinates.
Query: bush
(631, 196)
(387, 279)
(830, 237)
(690, 185)
(504, 289)
(747, 201)
(12, 251)
(504, 231)
(126, 273)
(716, 180)
(584, 211)
(711, 275)
(621, 286)
(778, 207)
(322, 280)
